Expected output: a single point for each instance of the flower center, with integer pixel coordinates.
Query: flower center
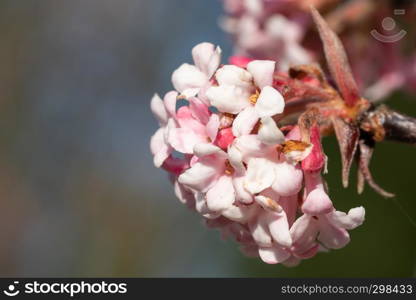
(293, 145)
(229, 170)
(226, 120)
(273, 205)
(253, 98)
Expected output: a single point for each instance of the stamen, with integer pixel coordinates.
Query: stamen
(226, 120)
(273, 205)
(293, 145)
(253, 98)
(229, 170)
(269, 204)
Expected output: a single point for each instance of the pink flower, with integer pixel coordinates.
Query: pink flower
(191, 126)
(276, 29)
(240, 61)
(261, 31)
(249, 94)
(211, 177)
(163, 111)
(181, 130)
(329, 229)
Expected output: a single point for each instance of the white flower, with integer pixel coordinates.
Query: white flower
(188, 79)
(249, 94)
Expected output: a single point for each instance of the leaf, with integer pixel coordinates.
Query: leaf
(337, 60)
(347, 135)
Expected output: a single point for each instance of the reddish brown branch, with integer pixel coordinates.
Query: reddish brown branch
(385, 123)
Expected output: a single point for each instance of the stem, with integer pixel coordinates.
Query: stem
(391, 125)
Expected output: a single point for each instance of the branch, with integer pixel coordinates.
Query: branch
(385, 123)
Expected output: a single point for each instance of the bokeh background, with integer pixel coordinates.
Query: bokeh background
(79, 193)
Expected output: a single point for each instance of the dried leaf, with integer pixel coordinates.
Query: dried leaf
(306, 121)
(347, 135)
(366, 151)
(360, 182)
(303, 71)
(337, 60)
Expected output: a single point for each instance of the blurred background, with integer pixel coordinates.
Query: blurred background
(79, 193)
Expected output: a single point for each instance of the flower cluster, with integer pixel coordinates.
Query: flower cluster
(283, 30)
(268, 30)
(230, 162)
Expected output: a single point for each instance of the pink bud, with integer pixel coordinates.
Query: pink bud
(224, 138)
(240, 61)
(317, 201)
(316, 159)
(175, 165)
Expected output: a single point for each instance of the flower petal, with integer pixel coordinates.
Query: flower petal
(290, 206)
(170, 103)
(241, 193)
(304, 232)
(353, 219)
(244, 122)
(224, 138)
(310, 252)
(260, 233)
(212, 127)
(240, 214)
(269, 103)
(184, 195)
(187, 121)
(221, 195)
(204, 149)
(262, 71)
(158, 109)
(260, 175)
(175, 165)
(207, 58)
(184, 139)
(228, 98)
(202, 174)
(295, 156)
(159, 148)
(234, 76)
(199, 110)
(269, 133)
(317, 202)
(236, 160)
(332, 237)
(289, 179)
(273, 255)
(279, 228)
(268, 203)
(250, 146)
(188, 79)
(202, 208)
